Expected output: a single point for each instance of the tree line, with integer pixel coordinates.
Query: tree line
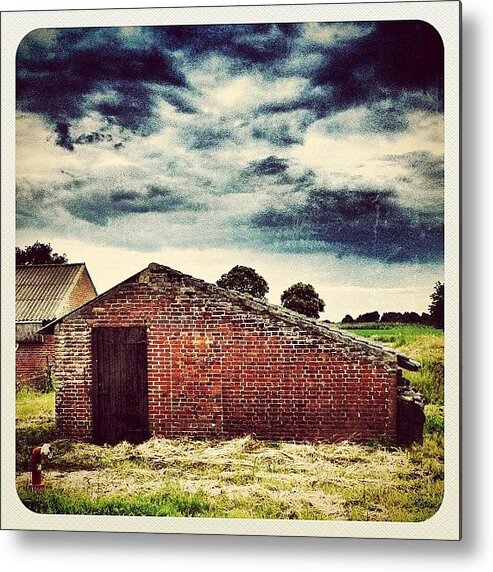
(389, 318)
(299, 297)
(303, 298)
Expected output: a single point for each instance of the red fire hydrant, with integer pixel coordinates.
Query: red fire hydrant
(38, 455)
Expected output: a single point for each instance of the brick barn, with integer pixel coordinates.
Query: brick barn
(169, 355)
(44, 292)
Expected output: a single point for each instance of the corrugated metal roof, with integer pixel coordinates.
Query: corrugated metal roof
(41, 291)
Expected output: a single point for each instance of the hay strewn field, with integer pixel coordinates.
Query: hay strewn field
(239, 478)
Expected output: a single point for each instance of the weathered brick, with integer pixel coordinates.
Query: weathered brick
(221, 364)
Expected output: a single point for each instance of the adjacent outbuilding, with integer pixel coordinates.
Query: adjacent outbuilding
(44, 292)
(166, 354)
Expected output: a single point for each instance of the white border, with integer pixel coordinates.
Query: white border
(445, 17)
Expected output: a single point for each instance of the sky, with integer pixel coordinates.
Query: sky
(310, 152)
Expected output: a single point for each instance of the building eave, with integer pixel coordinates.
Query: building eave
(255, 304)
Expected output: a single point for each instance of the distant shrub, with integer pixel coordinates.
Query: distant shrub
(411, 318)
(391, 317)
(368, 317)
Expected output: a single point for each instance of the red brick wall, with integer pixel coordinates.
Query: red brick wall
(82, 292)
(217, 367)
(32, 363)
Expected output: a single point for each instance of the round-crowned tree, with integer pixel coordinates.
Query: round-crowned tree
(303, 299)
(38, 253)
(246, 280)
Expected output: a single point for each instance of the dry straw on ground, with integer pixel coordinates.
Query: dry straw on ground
(311, 480)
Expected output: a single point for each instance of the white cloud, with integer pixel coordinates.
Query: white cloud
(358, 157)
(246, 92)
(329, 34)
(38, 160)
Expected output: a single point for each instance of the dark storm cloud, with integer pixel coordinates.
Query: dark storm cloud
(398, 60)
(64, 139)
(269, 176)
(395, 57)
(58, 69)
(68, 73)
(361, 222)
(230, 104)
(177, 97)
(385, 119)
(245, 45)
(99, 208)
(276, 174)
(94, 137)
(424, 165)
(277, 135)
(271, 165)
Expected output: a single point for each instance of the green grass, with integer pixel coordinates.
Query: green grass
(422, 343)
(31, 404)
(242, 478)
(35, 423)
(167, 502)
(396, 335)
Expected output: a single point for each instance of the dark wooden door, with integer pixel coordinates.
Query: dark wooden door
(119, 357)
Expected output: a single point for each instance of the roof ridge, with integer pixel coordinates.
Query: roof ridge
(291, 315)
(255, 304)
(94, 300)
(51, 264)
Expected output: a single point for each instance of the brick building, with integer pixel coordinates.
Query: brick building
(166, 354)
(44, 292)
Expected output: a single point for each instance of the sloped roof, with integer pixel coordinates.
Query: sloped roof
(253, 304)
(42, 290)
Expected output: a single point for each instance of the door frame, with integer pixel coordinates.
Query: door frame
(99, 430)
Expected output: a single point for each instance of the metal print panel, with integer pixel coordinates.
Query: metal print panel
(233, 228)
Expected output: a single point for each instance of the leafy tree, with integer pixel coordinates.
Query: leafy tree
(425, 318)
(404, 318)
(437, 306)
(411, 318)
(348, 319)
(38, 253)
(392, 317)
(246, 280)
(303, 299)
(368, 317)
